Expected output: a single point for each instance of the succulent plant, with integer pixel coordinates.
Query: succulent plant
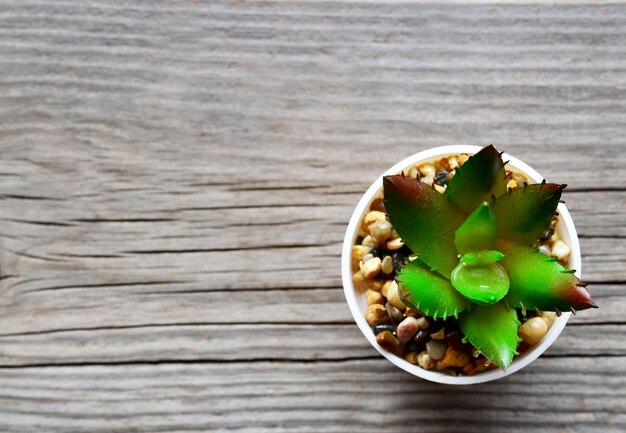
(475, 254)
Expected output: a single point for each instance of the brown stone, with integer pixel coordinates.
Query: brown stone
(387, 341)
(376, 314)
(411, 357)
(469, 369)
(454, 358)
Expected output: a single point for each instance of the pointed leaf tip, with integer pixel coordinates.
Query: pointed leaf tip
(482, 175)
(492, 329)
(549, 286)
(424, 219)
(523, 214)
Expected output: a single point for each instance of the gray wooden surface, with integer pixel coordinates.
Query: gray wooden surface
(175, 182)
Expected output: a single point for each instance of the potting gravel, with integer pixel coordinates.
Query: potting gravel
(432, 344)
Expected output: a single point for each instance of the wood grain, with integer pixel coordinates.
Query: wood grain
(363, 395)
(176, 179)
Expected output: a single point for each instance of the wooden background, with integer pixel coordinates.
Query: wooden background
(175, 182)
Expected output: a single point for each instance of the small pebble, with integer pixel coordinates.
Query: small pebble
(380, 230)
(511, 184)
(428, 170)
(371, 267)
(439, 335)
(547, 234)
(380, 328)
(378, 204)
(410, 313)
(411, 357)
(358, 251)
(442, 164)
(394, 312)
(548, 316)
(376, 314)
(374, 216)
(469, 369)
(441, 178)
(446, 370)
(389, 342)
(533, 330)
(366, 257)
(385, 288)
(387, 265)
(561, 250)
(373, 297)
(453, 162)
(407, 329)
(436, 349)
(520, 179)
(395, 244)
(544, 249)
(482, 364)
(423, 323)
(427, 180)
(376, 284)
(360, 282)
(454, 358)
(393, 297)
(426, 361)
(421, 336)
(368, 241)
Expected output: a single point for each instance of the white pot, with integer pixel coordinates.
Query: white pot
(565, 229)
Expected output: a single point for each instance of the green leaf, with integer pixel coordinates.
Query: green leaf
(428, 292)
(540, 282)
(477, 180)
(523, 214)
(492, 329)
(425, 220)
(478, 231)
(482, 283)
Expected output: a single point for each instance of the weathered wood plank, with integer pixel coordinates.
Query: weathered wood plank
(152, 150)
(243, 248)
(124, 306)
(363, 395)
(248, 342)
(301, 214)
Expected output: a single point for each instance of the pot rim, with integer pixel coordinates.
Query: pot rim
(567, 231)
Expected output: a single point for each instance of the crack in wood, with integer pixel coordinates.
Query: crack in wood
(40, 223)
(29, 197)
(123, 220)
(277, 360)
(220, 249)
(192, 361)
(104, 285)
